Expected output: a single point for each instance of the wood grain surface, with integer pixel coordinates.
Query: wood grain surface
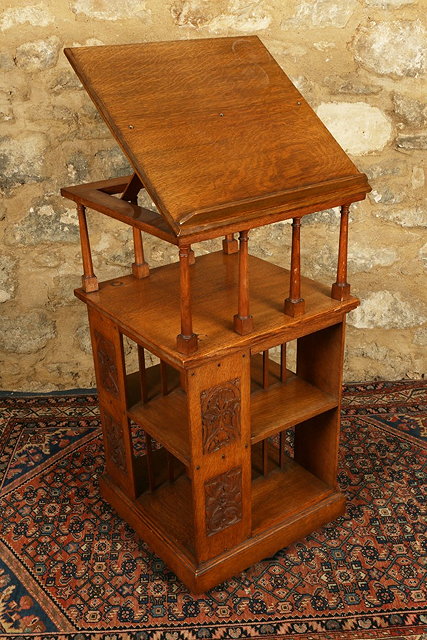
(214, 129)
(148, 310)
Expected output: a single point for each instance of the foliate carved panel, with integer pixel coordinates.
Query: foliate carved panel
(106, 356)
(114, 437)
(223, 500)
(220, 406)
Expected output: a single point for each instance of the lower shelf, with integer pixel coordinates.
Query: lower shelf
(286, 505)
(281, 497)
(170, 507)
(282, 494)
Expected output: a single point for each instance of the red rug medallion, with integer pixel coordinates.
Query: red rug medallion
(70, 568)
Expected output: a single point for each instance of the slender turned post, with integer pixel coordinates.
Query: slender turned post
(294, 305)
(265, 371)
(282, 450)
(89, 279)
(265, 457)
(144, 398)
(171, 467)
(341, 288)
(230, 244)
(191, 257)
(164, 377)
(142, 381)
(283, 362)
(186, 341)
(140, 268)
(243, 321)
(149, 456)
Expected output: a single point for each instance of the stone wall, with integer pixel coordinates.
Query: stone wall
(359, 63)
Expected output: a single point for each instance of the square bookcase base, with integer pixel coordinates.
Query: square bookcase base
(201, 577)
(221, 457)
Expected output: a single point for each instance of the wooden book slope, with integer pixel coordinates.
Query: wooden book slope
(223, 143)
(215, 130)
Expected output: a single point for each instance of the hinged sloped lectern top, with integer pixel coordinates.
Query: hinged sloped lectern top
(222, 142)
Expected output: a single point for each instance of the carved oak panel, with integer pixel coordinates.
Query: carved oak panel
(223, 500)
(220, 406)
(114, 436)
(106, 356)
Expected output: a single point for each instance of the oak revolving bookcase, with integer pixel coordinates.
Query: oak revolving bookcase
(223, 143)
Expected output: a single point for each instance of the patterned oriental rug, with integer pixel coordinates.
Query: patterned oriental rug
(71, 569)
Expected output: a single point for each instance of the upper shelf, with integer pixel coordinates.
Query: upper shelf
(216, 131)
(148, 309)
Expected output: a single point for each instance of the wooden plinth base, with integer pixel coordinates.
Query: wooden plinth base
(140, 270)
(294, 308)
(90, 284)
(340, 291)
(201, 577)
(243, 326)
(186, 344)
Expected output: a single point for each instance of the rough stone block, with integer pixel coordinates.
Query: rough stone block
(44, 224)
(410, 111)
(61, 293)
(82, 338)
(420, 337)
(358, 127)
(26, 333)
(385, 196)
(7, 277)
(388, 310)
(36, 15)
(222, 16)
(392, 48)
(411, 141)
(6, 111)
(6, 61)
(321, 13)
(38, 55)
(417, 178)
(390, 4)
(379, 170)
(110, 9)
(22, 158)
(350, 83)
(65, 80)
(111, 162)
(363, 258)
(409, 217)
(78, 168)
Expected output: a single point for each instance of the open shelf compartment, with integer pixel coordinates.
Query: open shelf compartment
(283, 404)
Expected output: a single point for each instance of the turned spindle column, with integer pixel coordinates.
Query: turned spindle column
(283, 362)
(140, 268)
(230, 244)
(89, 279)
(142, 377)
(295, 305)
(265, 369)
(341, 289)
(186, 341)
(243, 322)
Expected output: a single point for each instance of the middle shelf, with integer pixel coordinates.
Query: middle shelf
(280, 406)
